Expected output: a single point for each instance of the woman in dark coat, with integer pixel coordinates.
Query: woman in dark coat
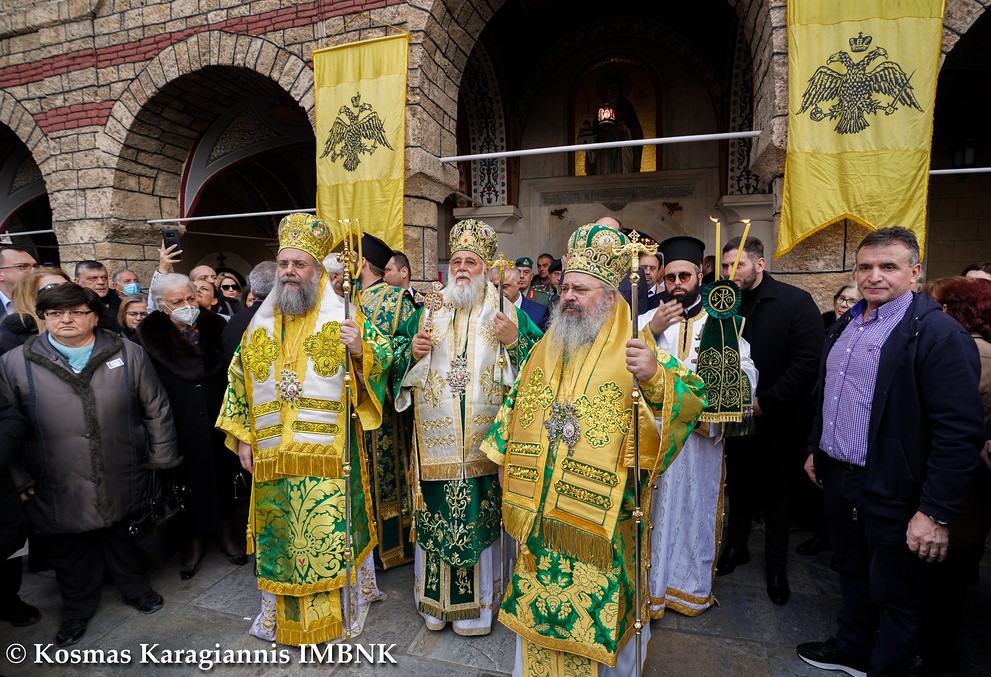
(98, 424)
(184, 343)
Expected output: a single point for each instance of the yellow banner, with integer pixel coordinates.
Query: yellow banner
(360, 107)
(861, 92)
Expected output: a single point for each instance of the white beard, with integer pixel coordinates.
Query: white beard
(466, 295)
(572, 332)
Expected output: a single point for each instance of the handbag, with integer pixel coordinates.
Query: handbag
(159, 529)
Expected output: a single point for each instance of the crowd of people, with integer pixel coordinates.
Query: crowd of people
(484, 433)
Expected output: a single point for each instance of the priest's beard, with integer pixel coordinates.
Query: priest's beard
(572, 332)
(466, 295)
(295, 301)
(689, 297)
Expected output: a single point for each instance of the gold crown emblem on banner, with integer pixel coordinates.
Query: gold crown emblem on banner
(474, 236)
(597, 250)
(307, 232)
(861, 42)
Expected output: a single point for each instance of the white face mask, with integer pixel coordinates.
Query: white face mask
(186, 315)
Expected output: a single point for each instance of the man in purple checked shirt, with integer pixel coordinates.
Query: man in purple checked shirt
(897, 434)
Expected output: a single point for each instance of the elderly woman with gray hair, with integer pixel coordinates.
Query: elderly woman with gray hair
(184, 343)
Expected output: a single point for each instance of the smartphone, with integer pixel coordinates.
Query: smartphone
(170, 236)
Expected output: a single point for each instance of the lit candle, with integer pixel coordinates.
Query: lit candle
(718, 254)
(739, 252)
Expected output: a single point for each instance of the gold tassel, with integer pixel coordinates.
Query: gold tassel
(577, 543)
(517, 521)
(456, 615)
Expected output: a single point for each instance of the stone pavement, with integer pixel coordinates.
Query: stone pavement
(744, 635)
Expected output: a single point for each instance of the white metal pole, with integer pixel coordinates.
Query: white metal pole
(282, 212)
(691, 138)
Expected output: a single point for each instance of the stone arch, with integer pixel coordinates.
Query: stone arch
(17, 118)
(143, 188)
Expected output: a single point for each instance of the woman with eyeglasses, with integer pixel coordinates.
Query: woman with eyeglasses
(133, 309)
(843, 300)
(22, 323)
(98, 422)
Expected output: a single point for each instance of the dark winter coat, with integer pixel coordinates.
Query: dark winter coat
(92, 436)
(13, 524)
(195, 379)
(926, 425)
(15, 330)
(784, 329)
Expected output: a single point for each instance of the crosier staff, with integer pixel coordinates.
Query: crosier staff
(636, 249)
(348, 258)
(501, 264)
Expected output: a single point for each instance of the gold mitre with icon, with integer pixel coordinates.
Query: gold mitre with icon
(599, 251)
(305, 231)
(474, 236)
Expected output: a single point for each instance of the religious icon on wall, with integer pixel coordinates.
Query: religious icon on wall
(615, 100)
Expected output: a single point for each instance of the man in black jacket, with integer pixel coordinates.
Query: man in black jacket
(784, 329)
(896, 438)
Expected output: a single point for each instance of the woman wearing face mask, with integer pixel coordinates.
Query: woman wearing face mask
(184, 344)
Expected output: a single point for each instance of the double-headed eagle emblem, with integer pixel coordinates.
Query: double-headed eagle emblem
(855, 88)
(350, 132)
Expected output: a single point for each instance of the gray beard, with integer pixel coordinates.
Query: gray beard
(572, 332)
(295, 302)
(466, 296)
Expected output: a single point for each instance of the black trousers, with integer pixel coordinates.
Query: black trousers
(880, 578)
(81, 560)
(761, 472)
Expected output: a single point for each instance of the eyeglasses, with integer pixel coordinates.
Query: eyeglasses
(231, 287)
(683, 276)
(74, 314)
(20, 266)
(135, 313)
(845, 301)
(579, 290)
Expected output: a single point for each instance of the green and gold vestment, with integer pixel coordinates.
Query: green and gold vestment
(285, 398)
(456, 492)
(388, 447)
(564, 436)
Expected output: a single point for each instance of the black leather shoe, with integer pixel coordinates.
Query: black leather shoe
(777, 587)
(814, 545)
(148, 603)
(731, 559)
(70, 632)
(20, 614)
(187, 571)
(827, 656)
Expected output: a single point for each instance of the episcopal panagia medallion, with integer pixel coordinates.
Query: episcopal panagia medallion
(290, 388)
(459, 377)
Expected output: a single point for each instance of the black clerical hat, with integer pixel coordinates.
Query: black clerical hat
(682, 248)
(375, 250)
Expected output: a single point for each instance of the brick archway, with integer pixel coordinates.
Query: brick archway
(154, 170)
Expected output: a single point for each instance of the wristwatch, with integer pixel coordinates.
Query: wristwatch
(938, 522)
